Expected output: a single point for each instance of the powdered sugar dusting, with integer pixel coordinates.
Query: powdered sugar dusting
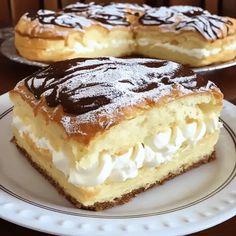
(176, 18)
(91, 89)
(68, 20)
(187, 18)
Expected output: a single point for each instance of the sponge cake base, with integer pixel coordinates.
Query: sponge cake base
(98, 206)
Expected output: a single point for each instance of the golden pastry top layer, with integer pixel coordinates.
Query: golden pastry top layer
(106, 10)
(49, 24)
(77, 17)
(88, 96)
(188, 18)
(80, 16)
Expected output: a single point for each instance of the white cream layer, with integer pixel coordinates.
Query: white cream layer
(195, 52)
(92, 46)
(156, 150)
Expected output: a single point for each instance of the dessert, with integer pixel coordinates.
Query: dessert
(185, 34)
(102, 130)
(188, 35)
(86, 30)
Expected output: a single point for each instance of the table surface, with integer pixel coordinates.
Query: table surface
(11, 73)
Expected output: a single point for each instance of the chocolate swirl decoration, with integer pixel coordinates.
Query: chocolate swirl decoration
(82, 86)
(79, 7)
(157, 17)
(80, 15)
(110, 15)
(60, 19)
(121, 7)
(128, 8)
(210, 26)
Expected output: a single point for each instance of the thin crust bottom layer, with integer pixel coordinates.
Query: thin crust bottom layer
(98, 206)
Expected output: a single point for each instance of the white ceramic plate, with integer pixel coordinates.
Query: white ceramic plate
(8, 50)
(194, 201)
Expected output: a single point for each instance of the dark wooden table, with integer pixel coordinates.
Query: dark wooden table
(11, 73)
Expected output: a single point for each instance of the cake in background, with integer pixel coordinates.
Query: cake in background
(185, 34)
(188, 35)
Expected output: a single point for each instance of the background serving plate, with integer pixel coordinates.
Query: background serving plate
(8, 49)
(196, 200)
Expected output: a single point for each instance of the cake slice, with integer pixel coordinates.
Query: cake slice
(186, 34)
(102, 130)
(81, 30)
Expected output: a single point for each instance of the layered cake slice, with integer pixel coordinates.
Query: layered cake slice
(102, 130)
(185, 34)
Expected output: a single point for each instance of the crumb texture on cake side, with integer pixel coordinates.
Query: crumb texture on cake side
(99, 206)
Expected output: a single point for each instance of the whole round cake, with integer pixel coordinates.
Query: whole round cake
(185, 34)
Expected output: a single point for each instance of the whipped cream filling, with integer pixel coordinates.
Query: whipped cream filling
(230, 47)
(195, 52)
(154, 151)
(92, 45)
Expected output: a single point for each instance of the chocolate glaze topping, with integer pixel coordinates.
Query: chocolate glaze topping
(79, 7)
(157, 17)
(177, 18)
(73, 16)
(210, 26)
(109, 14)
(60, 19)
(133, 9)
(88, 87)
